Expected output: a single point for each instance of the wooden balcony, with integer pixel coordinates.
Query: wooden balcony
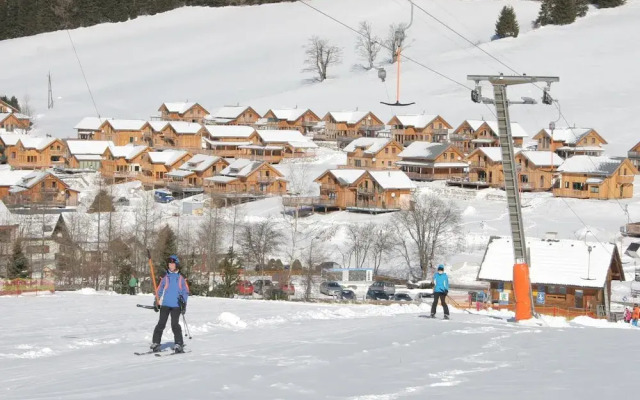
(576, 194)
(315, 201)
(625, 179)
(633, 154)
(416, 176)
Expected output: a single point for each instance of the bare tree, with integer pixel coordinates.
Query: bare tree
(258, 240)
(210, 235)
(383, 244)
(312, 256)
(367, 45)
(359, 243)
(395, 39)
(428, 230)
(320, 55)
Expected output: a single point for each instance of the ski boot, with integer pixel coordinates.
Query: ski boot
(155, 347)
(178, 348)
(432, 316)
(446, 317)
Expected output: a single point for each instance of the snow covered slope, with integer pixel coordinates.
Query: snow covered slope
(80, 345)
(253, 56)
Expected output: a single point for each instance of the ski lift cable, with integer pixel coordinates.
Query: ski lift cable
(83, 74)
(387, 47)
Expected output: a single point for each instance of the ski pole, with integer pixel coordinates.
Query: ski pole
(186, 327)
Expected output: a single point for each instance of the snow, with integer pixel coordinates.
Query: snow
(128, 151)
(347, 176)
(517, 131)
(348, 117)
(228, 112)
(592, 165)
(424, 150)
(494, 153)
(233, 131)
(127, 124)
(185, 128)
(90, 124)
(292, 137)
(179, 108)
(11, 139)
(371, 145)
(554, 262)
(392, 179)
(568, 135)
(543, 158)
(10, 178)
(289, 114)
(420, 121)
(167, 157)
(95, 147)
(199, 162)
(158, 126)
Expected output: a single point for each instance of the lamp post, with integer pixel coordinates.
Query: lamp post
(588, 278)
(382, 74)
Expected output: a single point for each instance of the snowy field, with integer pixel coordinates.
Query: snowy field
(80, 346)
(254, 56)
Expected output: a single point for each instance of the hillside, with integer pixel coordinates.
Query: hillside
(254, 55)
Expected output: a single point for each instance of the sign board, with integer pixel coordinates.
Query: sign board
(540, 298)
(504, 297)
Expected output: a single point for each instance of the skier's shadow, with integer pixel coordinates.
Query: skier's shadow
(165, 346)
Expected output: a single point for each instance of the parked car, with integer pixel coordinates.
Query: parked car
(347, 294)
(330, 288)
(402, 297)
(287, 288)
(163, 196)
(261, 285)
(122, 201)
(427, 293)
(245, 288)
(381, 286)
(425, 284)
(376, 295)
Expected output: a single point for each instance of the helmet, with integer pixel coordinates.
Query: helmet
(173, 259)
(441, 267)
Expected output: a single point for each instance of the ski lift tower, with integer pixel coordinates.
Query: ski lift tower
(521, 282)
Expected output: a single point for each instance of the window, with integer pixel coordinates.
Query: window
(393, 150)
(32, 159)
(578, 186)
(594, 189)
(566, 185)
(388, 163)
(524, 178)
(445, 156)
(593, 140)
(131, 140)
(357, 162)
(386, 150)
(54, 184)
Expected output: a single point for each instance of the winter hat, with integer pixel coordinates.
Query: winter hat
(441, 267)
(174, 259)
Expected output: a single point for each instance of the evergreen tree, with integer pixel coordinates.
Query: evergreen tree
(166, 245)
(564, 12)
(582, 6)
(544, 15)
(13, 101)
(507, 24)
(230, 273)
(19, 266)
(608, 3)
(102, 203)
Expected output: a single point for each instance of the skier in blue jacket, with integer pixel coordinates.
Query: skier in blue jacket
(440, 291)
(172, 296)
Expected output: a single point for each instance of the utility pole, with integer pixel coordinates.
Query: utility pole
(50, 94)
(500, 100)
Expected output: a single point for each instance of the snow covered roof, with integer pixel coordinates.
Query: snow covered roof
(224, 131)
(38, 226)
(292, 137)
(29, 181)
(180, 173)
(97, 147)
(11, 139)
(603, 165)
(392, 179)
(575, 149)
(553, 262)
(38, 143)
(158, 126)
(167, 157)
(128, 151)
(90, 124)
(199, 163)
(346, 176)
(543, 158)
(10, 178)
(179, 107)
(241, 167)
(371, 145)
(424, 150)
(4, 116)
(517, 131)
(568, 135)
(218, 143)
(349, 117)
(228, 112)
(127, 124)
(493, 153)
(417, 121)
(288, 114)
(88, 157)
(221, 179)
(185, 128)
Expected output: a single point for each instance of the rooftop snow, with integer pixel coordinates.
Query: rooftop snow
(185, 128)
(241, 167)
(168, 157)
(417, 121)
(180, 173)
(293, 137)
(568, 135)
(11, 139)
(347, 176)
(127, 124)
(228, 112)
(516, 129)
(543, 158)
(128, 151)
(199, 162)
(392, 179)
(180, 107)
(38, 143)
(590, 165)
(96, 147)
(349, 117)
(29, 181)
(289, 114)
(371, 145)
(553, 262)
(90, 124)
(10, 178)
(234, 131)
(494, 153)
(158, 126)
(423, 150)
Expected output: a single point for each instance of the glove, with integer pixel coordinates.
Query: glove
(446, 292)
(155, 306)
(182, 304)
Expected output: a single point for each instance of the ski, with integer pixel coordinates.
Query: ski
(147, 352)
(173, 353)
(144, 306)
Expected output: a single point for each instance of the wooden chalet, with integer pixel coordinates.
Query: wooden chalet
(377, 153)
(426, 161)
(11, 178)
(634, 155)
(373, 191)
(183, 111)
(573, 274)
(289, 118)
(31, 152)
(6, 108)
(190, 176)
(43, 236)
(274, 145)
(157, 164)
(122, 163)
(183, 135)
(86, 154)
(418, 127)
(14, 121)
(587, 177)
(233, 115)
(124, 131)
(569, 142)
(472, 134)
(485, 167)
(349, 125)
(536, 169)
(243, 177)
(43, 190)
(227, 141)
(90, 128)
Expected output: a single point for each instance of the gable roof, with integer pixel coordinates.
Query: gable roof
(11, 139)
(419, 121)
(95, 147)
(604, 166)
(228, 112)
(38, 143)
(199, 163)
(4, 116)
(127, 152)
(349, 117)
(293, 137)
(179, 107)
(12, 177)
(553, 262)
(570, 135)
(158, 126)
(241, 167)
(288, 114)
(542, 158)
(517, 131)
(344, 176)
(29, 181)
(185, 128)
(90, 124)
(5, 104)
(126, 124)
(392, 179)
(167, 157)
(220, 131)
(424, 150)
(371, 145)
(493, 153)
(38, 226)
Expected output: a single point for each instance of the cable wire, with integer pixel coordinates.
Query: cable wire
(83, 74)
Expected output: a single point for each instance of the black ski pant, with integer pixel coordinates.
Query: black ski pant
(175, 324)
(132, 290)
(436, 296)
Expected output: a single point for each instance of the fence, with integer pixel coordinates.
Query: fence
(19, 286)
